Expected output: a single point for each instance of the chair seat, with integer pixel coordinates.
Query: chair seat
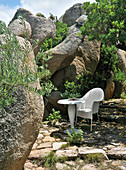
(84, 110)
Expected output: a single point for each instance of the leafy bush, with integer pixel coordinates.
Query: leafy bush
(106, 23)
(13, 68)
(44, 74)
(76, 137)
(61, 33)
(2, 27)
(54, 117)
(89, 81)
(110, 61)
(123, 95)
(42, 68)
(71, 90)
(14, 71)
(82, 84)
(40, 15)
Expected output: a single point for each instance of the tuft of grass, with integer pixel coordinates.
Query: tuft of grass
(64, 146)
(50, 160)
(93, 158)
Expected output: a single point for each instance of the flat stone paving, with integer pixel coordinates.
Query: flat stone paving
(108, 138)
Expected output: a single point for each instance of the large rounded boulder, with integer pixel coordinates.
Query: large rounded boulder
(20, 122)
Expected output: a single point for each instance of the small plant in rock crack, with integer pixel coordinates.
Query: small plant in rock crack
(49, 161)
(93, 158)
(76, 137)
(54, 117)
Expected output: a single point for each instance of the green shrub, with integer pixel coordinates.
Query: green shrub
(76, 137)
(106, 23)
(44, 74)
(14, 71)
(82, 84)
(40, 15)
(123, 95)
(54, 117)
(61, 33)
(71, 90)
(2, 27)
(88, 81)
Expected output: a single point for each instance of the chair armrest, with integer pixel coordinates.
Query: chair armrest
(95, 106)
(81, 105)
(83, 101)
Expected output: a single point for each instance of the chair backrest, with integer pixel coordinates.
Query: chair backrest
(94, 95)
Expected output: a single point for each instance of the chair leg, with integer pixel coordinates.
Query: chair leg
(98, 118)
(76, 120)
(91, 125)
(76, 115)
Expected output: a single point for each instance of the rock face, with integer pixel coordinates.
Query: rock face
(110, 87)
(75, 52)
(19, 129)
(122, 57)
(17, 27)
(64, 53)
(81, 20)
(68, 73)
(91, 54)
(40, 26)
(72, 14)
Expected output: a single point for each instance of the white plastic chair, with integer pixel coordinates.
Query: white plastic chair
(90, 104)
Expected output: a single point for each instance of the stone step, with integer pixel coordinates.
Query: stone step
(113, 108)
(114, 118)
(119, 104)
(113, 111)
